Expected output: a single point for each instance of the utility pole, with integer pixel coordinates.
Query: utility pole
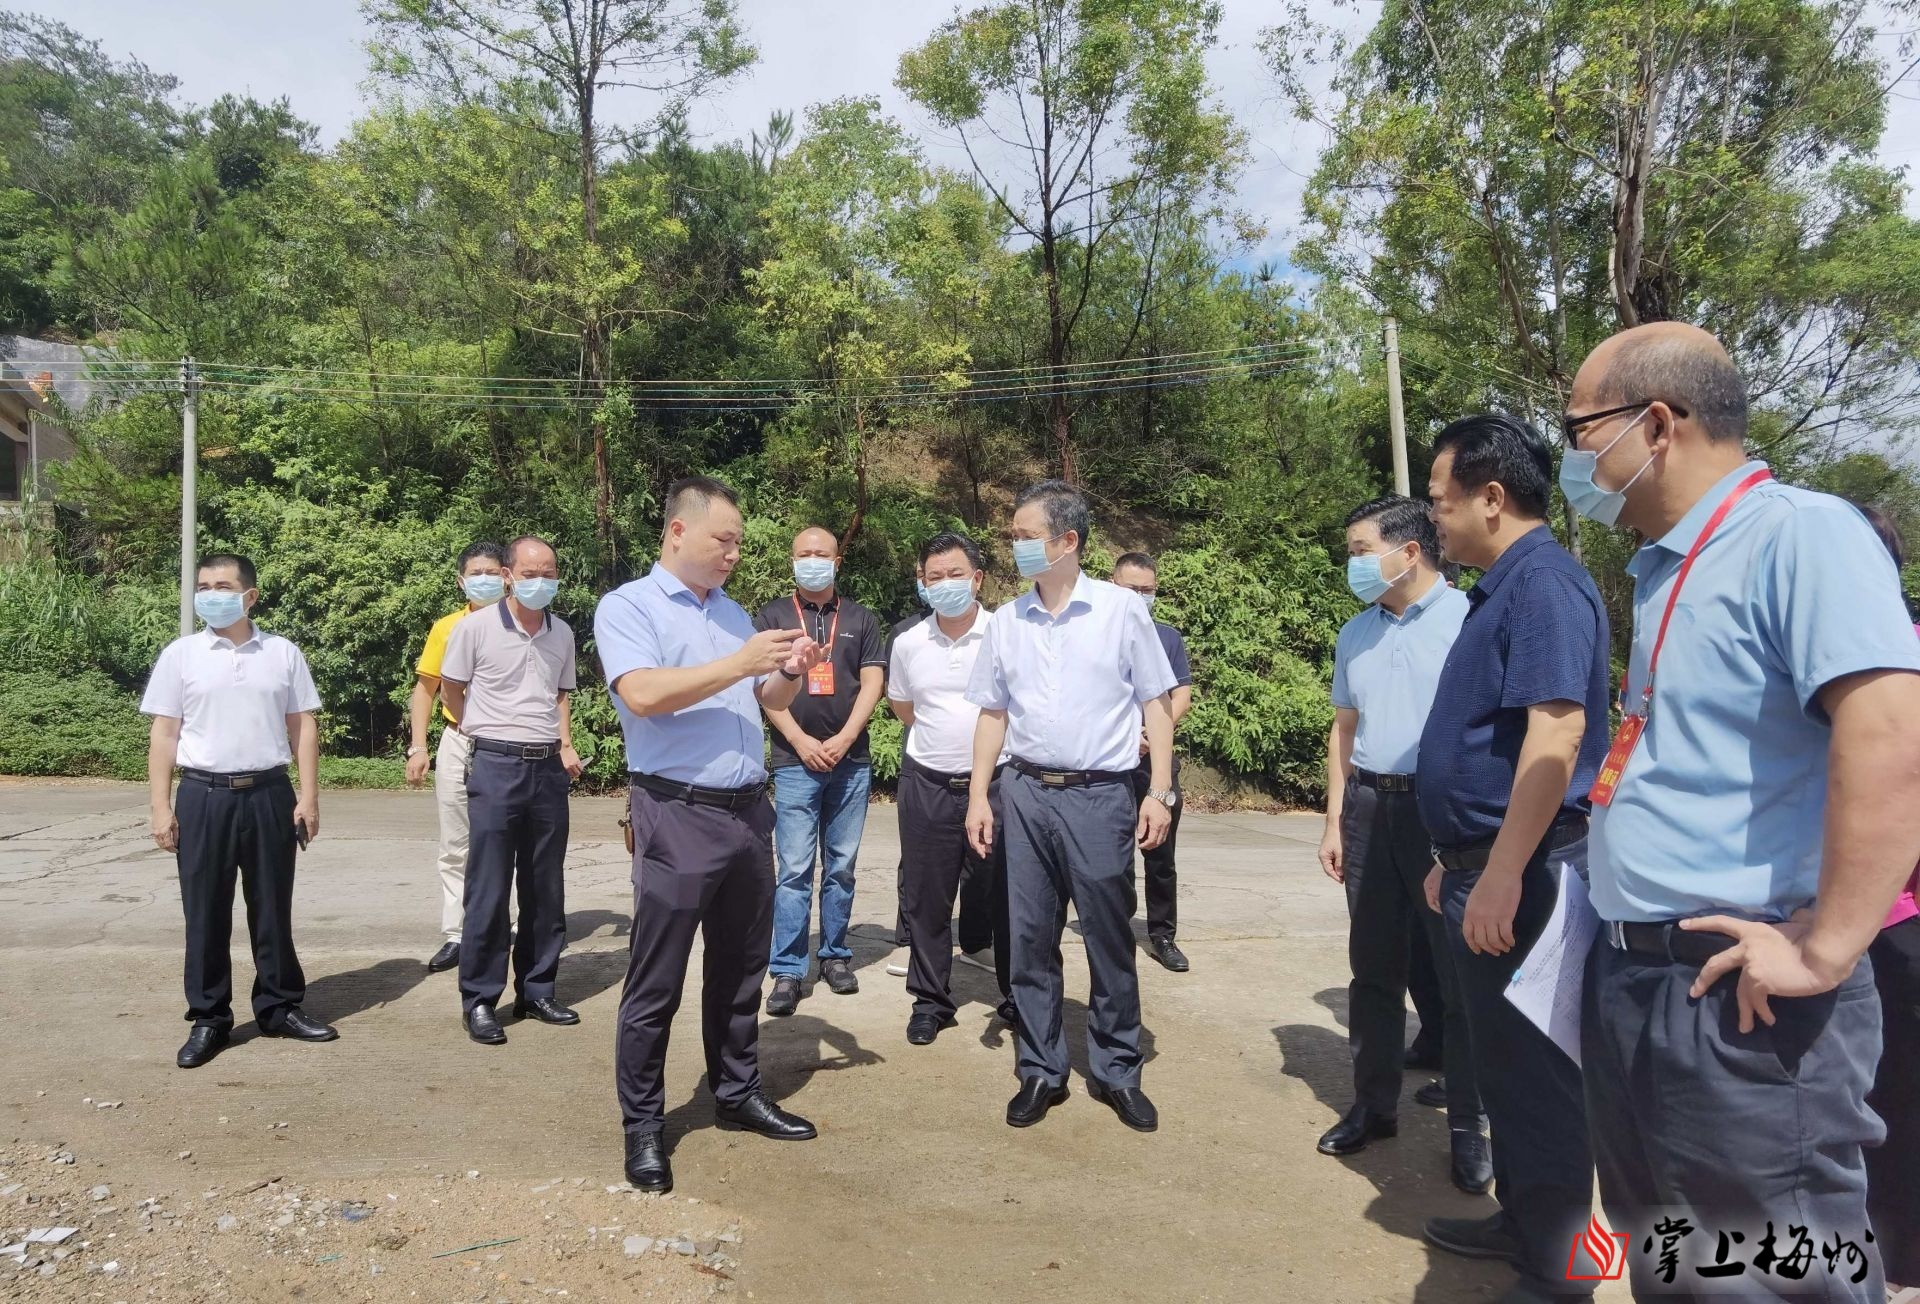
(189, 491)
(1396, 413)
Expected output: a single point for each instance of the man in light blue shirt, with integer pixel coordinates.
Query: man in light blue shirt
(689, 675)
(1064, 679)
(1757, 829)
(1386, 667)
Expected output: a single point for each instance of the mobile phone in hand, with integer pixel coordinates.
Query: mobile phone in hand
(300, 833)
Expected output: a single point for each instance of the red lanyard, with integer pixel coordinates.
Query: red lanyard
(1632, 723)
(831, 634)
(1693, 554)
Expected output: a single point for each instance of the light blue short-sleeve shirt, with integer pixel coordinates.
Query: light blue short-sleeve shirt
(1387, 667)
(656, 623)
(1721, 806)
(1072, 684)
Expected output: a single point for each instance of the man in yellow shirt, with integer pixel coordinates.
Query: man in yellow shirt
(483, 576)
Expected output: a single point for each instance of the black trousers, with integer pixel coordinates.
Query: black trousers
(1387, 856)
(1072, 844)
(935, 861)
(1893, 1167)
(698, 868)
(983, 907)
(1692, 1117)
(517, 840)
(248, 833)
(1542, 1163)
(1163, 883)
(1423, 989)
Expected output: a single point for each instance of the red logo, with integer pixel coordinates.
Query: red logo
(1604, 1251)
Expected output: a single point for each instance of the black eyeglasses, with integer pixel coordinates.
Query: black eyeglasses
(1570, 425)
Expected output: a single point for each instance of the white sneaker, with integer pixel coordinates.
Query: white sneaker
(898, 968)
(981, 959)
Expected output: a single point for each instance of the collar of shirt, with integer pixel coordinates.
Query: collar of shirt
(255, 635)
(508, 622)
(676, 588)
(1419, 604)
(977, 629)
(1029, 607)
(1680, 539)
(832, 604)
(1509, 561)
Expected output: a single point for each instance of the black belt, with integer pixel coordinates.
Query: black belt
(245, 779)
(724, 798)
(957, 782)
(1666, 941)
(1567, 827)
(1070, 778)
(525, 751)
(1383, 782)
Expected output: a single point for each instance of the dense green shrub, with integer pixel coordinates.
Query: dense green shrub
(70, 722)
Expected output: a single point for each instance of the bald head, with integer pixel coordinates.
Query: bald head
(1675, 363)
(816, 541)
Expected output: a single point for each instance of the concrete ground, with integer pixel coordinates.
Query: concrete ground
(343, 1170)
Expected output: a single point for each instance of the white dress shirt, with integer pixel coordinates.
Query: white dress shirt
(232, 700)
(930, 672)
(1072, 684)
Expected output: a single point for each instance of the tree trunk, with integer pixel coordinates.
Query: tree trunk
(1636, 140)
(859, 477)
(1057, 417)
(594, 349)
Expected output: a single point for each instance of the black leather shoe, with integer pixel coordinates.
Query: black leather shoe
(446, 957)
(1472, 1162)
(647, 1166)
(545, 1009)
(1474, 1238)
(838, 975)
(923, 1028)
(300, 1025)
(758, 1114)
(1008, 1013)
(786, 996)
(1168, 953)
(1423, 1054)
(483, 1027)
(202, 1044)
(1130, 1103)
(1433, 1095)
(1033, 1101)
(1351, 1134)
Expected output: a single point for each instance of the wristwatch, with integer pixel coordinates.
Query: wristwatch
(415, 748)
(1167, 797)
(788, 674)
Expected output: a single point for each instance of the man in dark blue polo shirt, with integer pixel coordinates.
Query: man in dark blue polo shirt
(1516, 735)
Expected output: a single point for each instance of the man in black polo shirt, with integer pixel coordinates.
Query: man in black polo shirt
(1513, 742)
(821, 768)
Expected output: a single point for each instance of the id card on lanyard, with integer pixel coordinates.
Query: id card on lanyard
(1634, 723)
(820, 677)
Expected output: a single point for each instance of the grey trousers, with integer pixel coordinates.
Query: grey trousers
(1692, 1118)
(1072, 844)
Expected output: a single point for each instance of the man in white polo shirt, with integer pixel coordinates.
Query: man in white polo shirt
(506, 677)
(232, 705)
(931, 663)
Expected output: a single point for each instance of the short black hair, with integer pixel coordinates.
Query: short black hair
(1066, 508)
(947, 541)
(491, 551)
(1401, 520)
(1498, 447)
(514, 547)
(1889, 533)
(696, 491)
(1140, 560)
(249, 578)
(1690, 374)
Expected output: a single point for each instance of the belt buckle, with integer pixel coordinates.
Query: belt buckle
(240, 781)
(539, 752)
(1616, 933)
(1054, 778)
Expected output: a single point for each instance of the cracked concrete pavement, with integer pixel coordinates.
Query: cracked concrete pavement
(916, 1188)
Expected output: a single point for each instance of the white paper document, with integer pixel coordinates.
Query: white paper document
(1546, 986)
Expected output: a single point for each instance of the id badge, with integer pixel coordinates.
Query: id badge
(820, 680)
(1608, 780)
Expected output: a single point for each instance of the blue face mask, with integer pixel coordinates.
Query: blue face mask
(1365, 579)
(950, 597)
(535, 592)
(219, 608)
(1588, 498)
(920, 587)
(813, 574)
(1030, 556)
(484, 588)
